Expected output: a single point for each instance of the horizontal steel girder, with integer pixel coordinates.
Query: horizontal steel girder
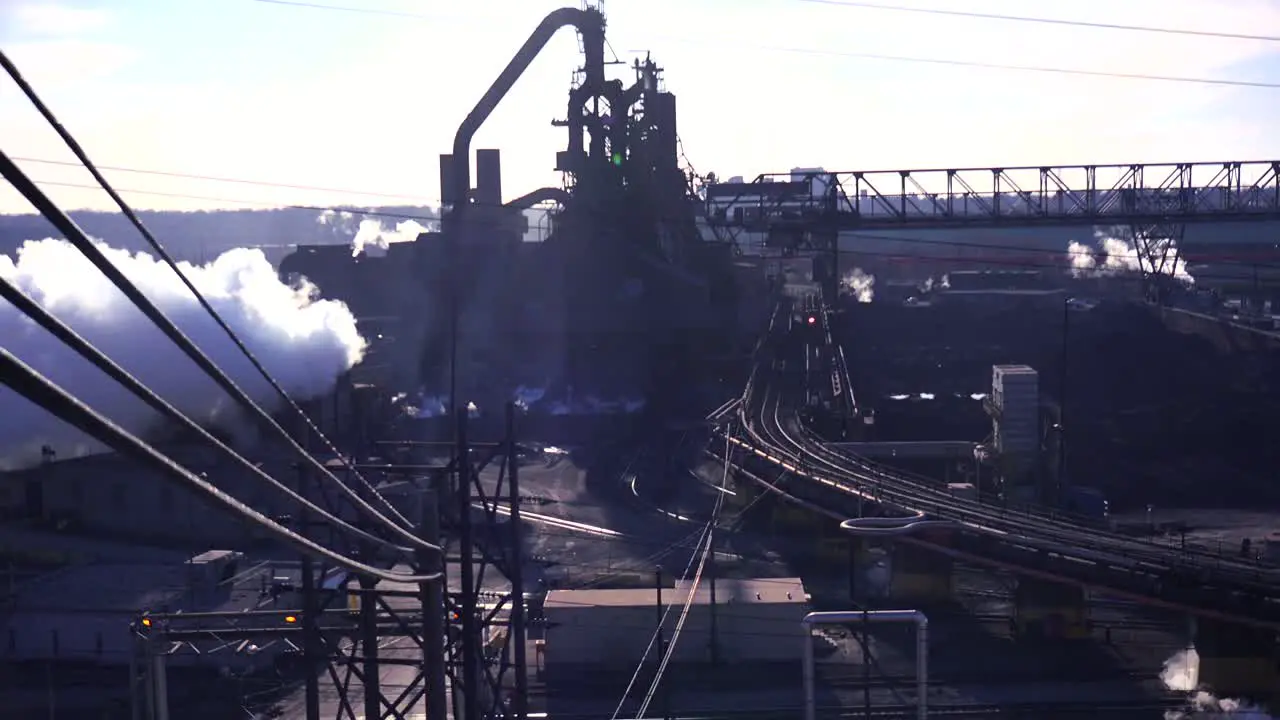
(999, 197)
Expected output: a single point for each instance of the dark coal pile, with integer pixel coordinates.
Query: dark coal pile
(1166, 418)
(1154, 416)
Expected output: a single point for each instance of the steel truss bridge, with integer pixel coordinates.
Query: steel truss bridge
(765, 424)
(1136, 194)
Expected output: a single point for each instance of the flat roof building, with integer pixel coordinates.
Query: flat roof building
(756, 620)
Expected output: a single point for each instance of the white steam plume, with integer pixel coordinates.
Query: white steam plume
(1117, 252)
(1181, 673)
(305, 344)
(371, 232)
(1082, 259)
(859, 284)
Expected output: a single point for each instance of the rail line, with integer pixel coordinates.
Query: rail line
(1026, 542)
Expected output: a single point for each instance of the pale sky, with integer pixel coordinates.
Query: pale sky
(286, 94)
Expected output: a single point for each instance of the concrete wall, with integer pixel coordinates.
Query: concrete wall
(612, 635)
(1228, 337)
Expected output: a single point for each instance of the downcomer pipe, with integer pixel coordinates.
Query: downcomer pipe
(874, 616)
(588, 22)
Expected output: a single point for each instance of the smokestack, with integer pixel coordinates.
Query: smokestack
(489, 177)
(446, 180)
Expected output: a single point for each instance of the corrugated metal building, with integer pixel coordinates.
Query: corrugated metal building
(757, 620)
(115, 496)
(83, 613)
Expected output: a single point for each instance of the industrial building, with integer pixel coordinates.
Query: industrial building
(753, 620)
(84, 613)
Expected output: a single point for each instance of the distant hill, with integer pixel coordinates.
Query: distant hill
(203, 235)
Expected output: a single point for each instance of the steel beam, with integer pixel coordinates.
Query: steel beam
(801, 210)
(344, 645)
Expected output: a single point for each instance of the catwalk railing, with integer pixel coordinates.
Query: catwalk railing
(1141, 194)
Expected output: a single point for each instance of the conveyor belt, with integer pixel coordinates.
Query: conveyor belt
(772, 431)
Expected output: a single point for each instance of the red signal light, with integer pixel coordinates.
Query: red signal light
(812, 319)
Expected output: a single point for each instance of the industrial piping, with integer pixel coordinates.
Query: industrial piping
(874, 616)
(892, 526)
(588, 22)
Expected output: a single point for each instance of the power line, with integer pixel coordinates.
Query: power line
(77, 237)
(709, 543)
(1018, 68)
(909, 240)
(879, 56)
(662, 620)
(38, 389)
(225, 179)
(1041, 20)
(343, 8)
(261, 204)
(852, 234)
(85, 349)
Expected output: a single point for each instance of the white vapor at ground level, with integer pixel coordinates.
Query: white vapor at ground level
(306, 344)
(1182, 674)
(1116, 251)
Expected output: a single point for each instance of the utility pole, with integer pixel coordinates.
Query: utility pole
(311, 650)
(711, 572)
(518, 636)
(1060, 483)
(433, 609)
(662, 639)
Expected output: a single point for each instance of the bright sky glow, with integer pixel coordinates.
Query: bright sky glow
(294, 95)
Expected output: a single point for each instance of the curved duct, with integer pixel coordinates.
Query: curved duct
(544, 194)
(589, 22)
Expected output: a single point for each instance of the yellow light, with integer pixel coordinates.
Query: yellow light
(291, 619)
(146, 622)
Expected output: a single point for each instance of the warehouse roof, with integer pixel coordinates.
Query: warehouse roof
(754, 591)
(135, 587)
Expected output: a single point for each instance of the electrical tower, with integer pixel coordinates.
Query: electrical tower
(458, 654)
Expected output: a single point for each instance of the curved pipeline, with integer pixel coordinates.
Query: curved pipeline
(890, 527)
(588, 22)
(543, 194)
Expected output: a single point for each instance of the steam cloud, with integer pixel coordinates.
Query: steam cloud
(860, 284)
(369, 233)
(305, 344)
(1182, 674)
(1118, 252)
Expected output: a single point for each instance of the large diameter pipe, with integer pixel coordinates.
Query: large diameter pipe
(871, 616)
(588, 22)
(891, 527)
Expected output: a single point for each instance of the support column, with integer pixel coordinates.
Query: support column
(1049, 610)
(1236, 660)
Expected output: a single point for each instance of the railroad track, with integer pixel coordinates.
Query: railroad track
(1136, 710)
(847, 676)
(773, 431)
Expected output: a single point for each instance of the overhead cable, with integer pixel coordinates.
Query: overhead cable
(85, 349)
(1043, 20)
(892, 58)
(692, 591)
(77, 237)
(183, 342)
(39, 390)
(225, 179)
(653, 639)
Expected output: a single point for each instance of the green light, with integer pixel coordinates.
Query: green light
(617, 159)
